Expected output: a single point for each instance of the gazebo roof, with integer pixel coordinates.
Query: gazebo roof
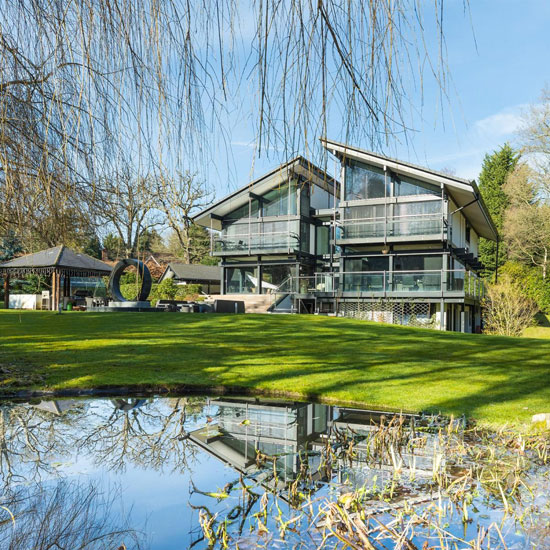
(60, 259)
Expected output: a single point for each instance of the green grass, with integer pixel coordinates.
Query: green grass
(496, 380)
(541, 330)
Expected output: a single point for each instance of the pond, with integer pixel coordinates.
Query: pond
(198, 472)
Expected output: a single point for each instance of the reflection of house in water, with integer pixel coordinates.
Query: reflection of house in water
(289, 430)
(57, 406)
(275, 428)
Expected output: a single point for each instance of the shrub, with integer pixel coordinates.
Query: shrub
(530, 283)
(129, 290)
(168, 290)
(507, 311)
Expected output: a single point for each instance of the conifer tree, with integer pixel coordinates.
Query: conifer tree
(494, 173)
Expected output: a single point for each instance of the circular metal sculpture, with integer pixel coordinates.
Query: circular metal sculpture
(143, 273)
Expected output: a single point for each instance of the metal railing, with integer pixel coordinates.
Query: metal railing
(397, 226)
(387, 282)
(257, 241)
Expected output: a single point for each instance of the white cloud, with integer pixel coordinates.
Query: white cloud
(504, 123)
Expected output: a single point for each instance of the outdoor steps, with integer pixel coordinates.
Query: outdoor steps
(253, 303)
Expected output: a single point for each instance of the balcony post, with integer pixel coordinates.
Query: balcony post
(385, 205)
(444, 274)
(211, 238)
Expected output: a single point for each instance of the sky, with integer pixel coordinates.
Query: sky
(497, 56)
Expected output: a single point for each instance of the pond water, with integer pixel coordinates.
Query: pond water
(182, 472)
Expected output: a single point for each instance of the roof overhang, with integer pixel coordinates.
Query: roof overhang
(211, 217)
(465, 194)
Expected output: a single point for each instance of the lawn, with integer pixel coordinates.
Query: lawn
(495, 380)
(542, 328)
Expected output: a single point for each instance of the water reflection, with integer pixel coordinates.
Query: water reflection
(204, 472)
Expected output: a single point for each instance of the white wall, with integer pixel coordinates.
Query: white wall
(24, 301)
(458, 227)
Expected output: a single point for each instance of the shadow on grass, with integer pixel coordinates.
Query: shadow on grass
(490, 378)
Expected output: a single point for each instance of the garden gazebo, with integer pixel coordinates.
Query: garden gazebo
(58, 262)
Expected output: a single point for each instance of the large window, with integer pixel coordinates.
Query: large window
(280, 201)
(418, 263)
(406, 186)
(365, 274)
(364, 221)
(322, 240)
(241, 280)
(365, 182)
(417, 273)
(274, 275)
(259, 236)
(416, 218)
(369, 263)
(244, 211)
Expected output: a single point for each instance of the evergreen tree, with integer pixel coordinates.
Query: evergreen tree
(494, 172)
(10, 246)
(92, 247)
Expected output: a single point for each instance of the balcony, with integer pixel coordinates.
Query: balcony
(449, 283)
(246, 243)
(401, 228)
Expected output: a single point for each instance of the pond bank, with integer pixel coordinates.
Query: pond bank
(492, 380)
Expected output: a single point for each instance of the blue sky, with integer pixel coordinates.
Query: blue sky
(498, 63)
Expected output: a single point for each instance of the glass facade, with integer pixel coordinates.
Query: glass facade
(416, 218)
(406, 187)
(322, 240)
(369, 182)
(365, 182)
(418, 263)
(364, 221)
(366, 282)
(266, 235)
(274, 275)
(393, 220)
(245, 211)
(281, 201)
(241, 280)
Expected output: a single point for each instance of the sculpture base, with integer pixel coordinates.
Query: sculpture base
(144, 306)
(140, 304)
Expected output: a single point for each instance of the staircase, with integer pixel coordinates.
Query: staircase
(253, 303)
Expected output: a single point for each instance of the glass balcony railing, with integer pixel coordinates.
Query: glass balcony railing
(404, 226)
(388, 282)
(258, 241)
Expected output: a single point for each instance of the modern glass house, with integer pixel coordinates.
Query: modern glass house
(392, 242)
(270, 231)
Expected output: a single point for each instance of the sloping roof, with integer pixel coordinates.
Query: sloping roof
(298, 166)
(195, 272)
(58, 258)
(463, 192)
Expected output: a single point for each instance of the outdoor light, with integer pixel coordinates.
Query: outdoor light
(385, 250)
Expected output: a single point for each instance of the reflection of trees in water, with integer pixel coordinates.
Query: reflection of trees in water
(64, 515)
(29, 438)
(150, 435)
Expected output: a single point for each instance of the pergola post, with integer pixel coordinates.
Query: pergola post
(6, 291)
(52, 297)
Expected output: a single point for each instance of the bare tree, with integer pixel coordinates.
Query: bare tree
(128, 203)
(85, 85)
(506, 309)
(178, 198)
(527, 219)
(65, 514)
(535, 138)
